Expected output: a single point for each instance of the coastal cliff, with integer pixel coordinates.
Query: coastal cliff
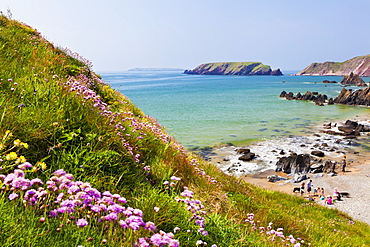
(233, 68)
(358, 65)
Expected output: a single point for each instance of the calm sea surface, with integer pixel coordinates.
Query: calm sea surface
(201, 110)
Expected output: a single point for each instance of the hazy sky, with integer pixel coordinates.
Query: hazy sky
(118, 35)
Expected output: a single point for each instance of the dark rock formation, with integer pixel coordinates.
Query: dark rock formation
(327, 81)
(275, 178)
(350, 130)
(318, 99)
(233, 68)
(353, 79)
(358, 97)
(294, 164)
(247, 156)
(346, 96)
(243, 151)
(318, 153)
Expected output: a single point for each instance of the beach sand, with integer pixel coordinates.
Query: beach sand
(354, 181)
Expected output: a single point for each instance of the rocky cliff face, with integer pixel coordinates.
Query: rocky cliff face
(358, 65)
(233, 68)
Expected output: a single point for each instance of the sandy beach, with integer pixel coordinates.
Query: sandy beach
(354, 181)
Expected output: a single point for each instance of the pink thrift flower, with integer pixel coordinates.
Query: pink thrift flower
(13, 196)
(81, 223)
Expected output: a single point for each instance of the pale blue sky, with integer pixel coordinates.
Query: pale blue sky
(118, 35)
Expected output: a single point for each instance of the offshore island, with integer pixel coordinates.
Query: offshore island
(233, 68)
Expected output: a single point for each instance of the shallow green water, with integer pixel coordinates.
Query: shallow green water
(205, 110)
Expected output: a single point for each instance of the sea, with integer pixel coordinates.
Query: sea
(209, 110)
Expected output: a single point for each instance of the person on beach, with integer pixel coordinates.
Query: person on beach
(309, 187)
(302, 188)
(336, 195)
(329, 200)
(344, 163)
(315, 191)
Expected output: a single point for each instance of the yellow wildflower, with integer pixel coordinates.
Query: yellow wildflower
(25, 145)
(34, 169)
(42, 165)
(2, 146)
(17, 142)
(11, 156)
(20, 159)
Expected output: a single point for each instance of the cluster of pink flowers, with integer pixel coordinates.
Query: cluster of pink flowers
(201, 172)
(274, 234)
(79, 200)
(81, 85)
(195, 207)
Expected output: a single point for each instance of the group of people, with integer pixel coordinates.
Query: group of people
(319, 192)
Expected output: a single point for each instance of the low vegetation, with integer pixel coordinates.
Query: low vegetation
(82, 166)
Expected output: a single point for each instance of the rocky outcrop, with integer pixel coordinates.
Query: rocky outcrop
(327, 81)
(353, 79)
(358, 97)
(358, 65)
(349, 129)
(294, 164)
(318, 99)
(247, 155)
(233, 68)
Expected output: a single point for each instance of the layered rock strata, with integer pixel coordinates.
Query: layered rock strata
(357, 65)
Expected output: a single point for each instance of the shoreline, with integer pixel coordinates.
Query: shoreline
(354, 181)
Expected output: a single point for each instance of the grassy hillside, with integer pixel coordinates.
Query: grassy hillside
(82, 166)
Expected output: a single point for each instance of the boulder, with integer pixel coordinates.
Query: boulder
(243, 151)
(283, 94)
(299, 178)
(318, 153)
(247, 157)
(316, 168)
(275, 178)
(294, 164)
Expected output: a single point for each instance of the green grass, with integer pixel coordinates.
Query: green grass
(110, 151)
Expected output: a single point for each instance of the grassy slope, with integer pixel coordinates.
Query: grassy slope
(110, 149)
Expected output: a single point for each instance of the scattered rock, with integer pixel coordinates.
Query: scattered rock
(275, 178)
(243, 151)
(247, 157)
(318, 153)
(299, 178)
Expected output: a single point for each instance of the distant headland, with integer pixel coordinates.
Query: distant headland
(233, 68)
(357, 65)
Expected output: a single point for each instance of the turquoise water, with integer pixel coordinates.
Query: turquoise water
(201, 110)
